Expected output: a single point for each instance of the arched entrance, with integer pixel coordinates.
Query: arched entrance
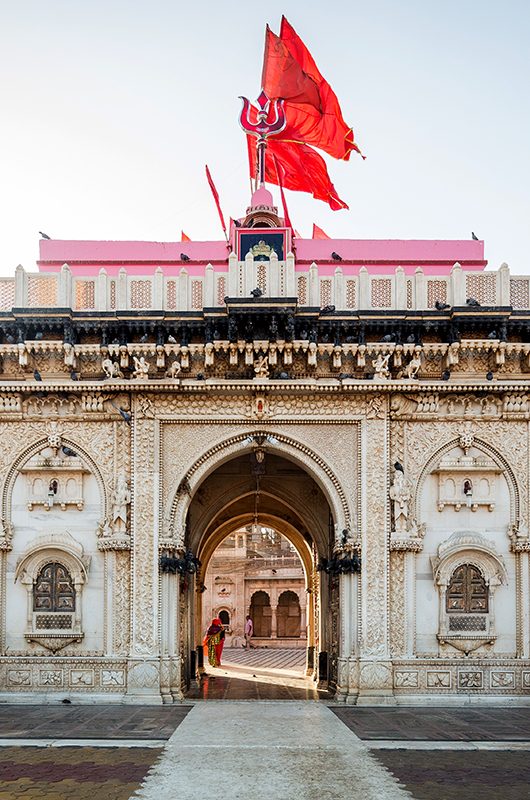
(268, 489)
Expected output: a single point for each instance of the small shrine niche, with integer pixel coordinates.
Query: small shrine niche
(467, 482)
(54, 481)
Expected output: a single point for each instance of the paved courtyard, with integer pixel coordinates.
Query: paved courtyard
(260, 750)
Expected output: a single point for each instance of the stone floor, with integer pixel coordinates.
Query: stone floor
(267, 751)
(89, 722)
(263, 751)
(438, 724)
(73, 773)
(259, 674)
(449, 775)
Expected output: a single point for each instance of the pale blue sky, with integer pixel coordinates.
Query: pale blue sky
(110, 110)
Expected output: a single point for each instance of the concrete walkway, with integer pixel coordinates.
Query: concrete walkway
(259, 751)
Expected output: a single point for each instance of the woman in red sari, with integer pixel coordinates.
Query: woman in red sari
(214, 642)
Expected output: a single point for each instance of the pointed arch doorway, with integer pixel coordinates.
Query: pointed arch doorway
(277, 494)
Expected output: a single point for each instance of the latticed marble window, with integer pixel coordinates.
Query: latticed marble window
(302, 290)
(113, 294)
(351, 294)
(483, 288)
(261, 276)
(141, 294)
(196, 294)
(467, 592)
(85, 294)
(7, 295)
(381, 293)
(53, 590)
(221, 291)
(325, 292)
(436, 290)
(171, 298)
(42, 292)
(282, 280)
(519, 293)
(409, 293)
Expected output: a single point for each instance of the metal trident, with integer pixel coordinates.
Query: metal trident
(269, 120)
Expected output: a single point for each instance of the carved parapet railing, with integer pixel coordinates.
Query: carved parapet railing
(346, 287)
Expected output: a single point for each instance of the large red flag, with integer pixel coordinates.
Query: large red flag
(312, 109)
(302, 168)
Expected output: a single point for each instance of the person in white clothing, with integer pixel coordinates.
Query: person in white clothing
(249, 632)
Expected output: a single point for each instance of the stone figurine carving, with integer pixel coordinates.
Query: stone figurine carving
(413, 367)
(141, 368)
(174, 369)
(121, 497)
(400, 494)
(261, 367)
(380, 365)
(111, 368)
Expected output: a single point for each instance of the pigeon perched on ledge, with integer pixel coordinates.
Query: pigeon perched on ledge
(256, 292)
(439, 306)
(335, 256)
(184, 257)
(472, 302)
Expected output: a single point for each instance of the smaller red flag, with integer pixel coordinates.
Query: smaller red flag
(279, 171)
(184, 237)
(318, 233)
(215, 194)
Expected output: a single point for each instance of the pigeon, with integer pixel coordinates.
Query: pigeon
(489, 376)
(439, 306)
(410, 339)
(200, 376)
(327, 309)
(68, 451)
(44, 235)
(335, 256)
(493, 335)
(171, 339)
(398, 466)
(274, 571)
(446, 375)
(115, 341)
(226, 298)
(74, 376)
(66, 701)
(388, 337)
(474, 237)
(184, 257)
(284, 376)
(37, 375)
(256, 292)
(125, 415)
(237, 223)
(144, 338)
(38, 336)
(471, 301)
(10, 339)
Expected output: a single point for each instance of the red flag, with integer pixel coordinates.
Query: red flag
(279, 171)
(303, 170)
(216, 198)
(312, 109)
(318, 233)
(184, 237)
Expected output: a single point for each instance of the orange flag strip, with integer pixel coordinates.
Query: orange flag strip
(215, 194)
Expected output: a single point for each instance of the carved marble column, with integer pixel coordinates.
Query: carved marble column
(274, 621)
(347, 679)
(375, 668)
(143, 680)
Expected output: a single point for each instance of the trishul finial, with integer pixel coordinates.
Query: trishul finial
(269, 120)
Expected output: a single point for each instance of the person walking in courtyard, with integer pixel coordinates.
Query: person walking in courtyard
(213, 642)
(249, 632)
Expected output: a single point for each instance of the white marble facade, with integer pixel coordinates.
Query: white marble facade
(459, 502)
